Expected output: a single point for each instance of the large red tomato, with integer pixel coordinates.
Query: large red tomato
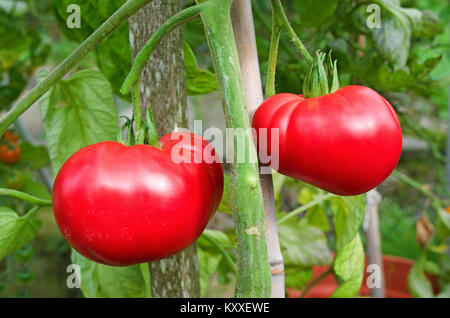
(120, 205)
(347, 142)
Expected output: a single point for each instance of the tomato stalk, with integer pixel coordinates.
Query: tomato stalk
(127, 10)
(277, 26)
(26, 197)
(305, 207)
(144, 55)
(278, 12)
(253, 279)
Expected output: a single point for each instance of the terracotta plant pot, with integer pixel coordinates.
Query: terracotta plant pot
(396, 270)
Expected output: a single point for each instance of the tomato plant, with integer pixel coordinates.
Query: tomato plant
(346, 142)
(120, 205)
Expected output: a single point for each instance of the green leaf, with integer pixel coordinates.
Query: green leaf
(315, 13)
(34, 156)
(392, 40)
(445, 292)
(113, 54)
(349, 268)
(348, 215)
(318, 217)
(226, 203)
(99, 280)
(16, 230)
(198, 82)
(418, 283)
(302, 244)
(35, 188)
(297, 277)
(425, 24)
(210, 258)
(444, 216)
(207, 265)
(78, 112)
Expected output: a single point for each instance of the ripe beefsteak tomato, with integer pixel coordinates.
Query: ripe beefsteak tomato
(120, 205)
(346, 142)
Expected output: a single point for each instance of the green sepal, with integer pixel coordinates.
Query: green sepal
(152, 134)
(316, 82)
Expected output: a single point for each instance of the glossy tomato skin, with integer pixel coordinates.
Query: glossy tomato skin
(120, 205)
(347, 142)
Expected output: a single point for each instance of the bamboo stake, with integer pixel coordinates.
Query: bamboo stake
(373, 244)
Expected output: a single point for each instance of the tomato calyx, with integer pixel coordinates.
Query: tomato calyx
(316, 82)
(146, 134)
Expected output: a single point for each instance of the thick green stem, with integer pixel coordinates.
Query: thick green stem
(253, 278)
(277, 10)
(127, 10)
(24, 196)
(144, 55)
(305, 207)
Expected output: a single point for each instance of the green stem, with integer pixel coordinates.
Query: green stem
(136, 107)
(144, 55)
(277, 9)
(127, 10)
(253, 277)
(273, 55)
(317, 280)
(418, 186)
(305, 207)
(24, 196)
(222, 251)
(263, 20)
(140, 130)
(152, 132)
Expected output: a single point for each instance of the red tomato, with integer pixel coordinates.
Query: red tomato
(10, 153)
(120, 205)
(347, 142)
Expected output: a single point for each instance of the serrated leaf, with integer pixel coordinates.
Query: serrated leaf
(16, 230)
(113, 54)
(198, 82)
(392, 40)
(100, 281)
(348, 215)
(35, 156)
(297, 277)
(80, 110)
(303, 245)
(317, 217)
(418, 283)
(125, 282)
(349, 268)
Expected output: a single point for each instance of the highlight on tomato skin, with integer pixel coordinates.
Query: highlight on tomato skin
(346, 143)
(120, 214)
